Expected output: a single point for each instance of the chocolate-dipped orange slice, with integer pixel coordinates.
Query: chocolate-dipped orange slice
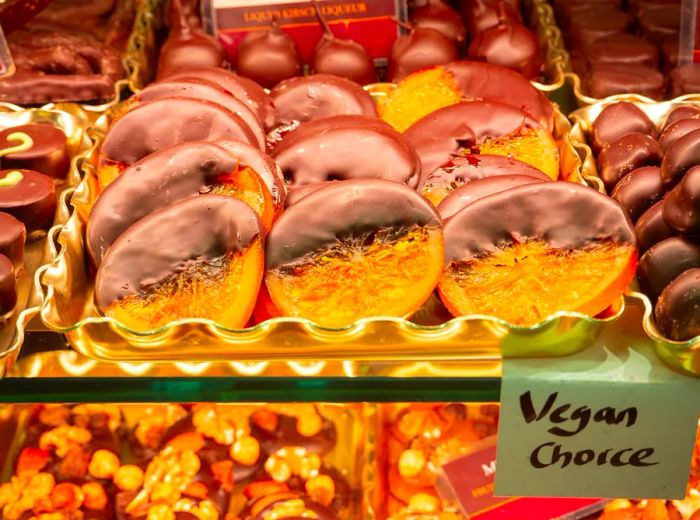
(526, 253)
(199, 258)
(354, 249)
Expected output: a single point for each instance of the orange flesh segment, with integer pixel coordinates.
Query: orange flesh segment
(418, 95)
(353, 281)
(107, 171)
(535, 147)
(525, 283)
(246, 185)
(223, 291)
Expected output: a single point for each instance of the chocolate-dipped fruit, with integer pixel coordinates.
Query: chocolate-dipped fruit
(676, 310)
(483, 127)
(574, 251)
(164, 267)
(268, 56)
(651, 227)
(379, 234)
(29, 196)
(639, 190)
(8, 286)
(629, 152)
(682, 204)
(13, 235)
(607, 79)
(682, 112)
(38, 146)
(511, 45)
(284, 505)
(665, 261)
(680, 157)
(420, 48)
(161, 123)
(437, 15)
(327, 149)
(302, 425)
(617, 120)
(674, 131)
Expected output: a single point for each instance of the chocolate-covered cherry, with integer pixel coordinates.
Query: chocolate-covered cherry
(437, 15)
(422, 47)
(511, 45)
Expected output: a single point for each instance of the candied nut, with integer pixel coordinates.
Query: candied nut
(411, 463)
(196, 490)
(112, 413)
(291, 508)
(309, 465)
(128, 477)
(160, 512)
(309, 424)
(165, 492)
(278, 469)
(104, 464)
(64, 438)
(264, 487)
(423, 503)
(32, 460)
(54, 415)
(190, 462)
(246, 451)
(266, 420)
(322, 489)
(95, 496)
(66, 496)
(206, 510)
(223, 473)
(187, 441)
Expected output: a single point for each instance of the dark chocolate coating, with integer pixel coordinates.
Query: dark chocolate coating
(346, 147)
(286, 434)
(32, 200)
(682, 204)
(345, 58)
(684, 79)
(437, 15)
(664, 262)
(299, 193)
(590, 24)
(8, 286)
(669, 53)
(671, 133)
(651, 228)
(623, 49)
(317, 96)
(478, 189)
(676, 310)
(242, 88)
(440, 134)
(419, 49)
(343, 210)
(164, 122)
(511, 45)
(657, 22)
(625, 154)
(205, 91)
(562, 214)
(680, 156)
(321, 512)
(48, 154)
(639, 190)
(682, 112)
(484, 14)
(12, 237)
(203, 228)
(607, 79)
(268, 56)
(617, 120)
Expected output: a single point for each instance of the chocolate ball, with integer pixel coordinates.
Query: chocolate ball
(671, 133)
(664, 262)
(682, 204)
(682, 112)
(437, 15)
(622, 49)
(627, 153)
(676, 311)
(510, 45)
(608, 79)
(419, 49)
(651, 228)
(639, 190)
(684, 80)
(617, 120)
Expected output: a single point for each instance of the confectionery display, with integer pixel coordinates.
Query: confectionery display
(40, 147)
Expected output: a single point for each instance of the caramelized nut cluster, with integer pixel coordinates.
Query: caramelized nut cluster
(64, 438)
(83, 412)
(224, 424)
(151, 427)
(309, 421)
(424, 506)
(291, 461)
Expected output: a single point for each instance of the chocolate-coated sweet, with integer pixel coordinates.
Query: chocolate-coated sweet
(669, 53)
(682, 112)
(418, 49)
(684, 79)
(12, 237)
(682, 204)
(29, 196)
(47, 153)
(622, 49)
(629, 152)
(484, 14)
(346, 147)
(286, 506)
(8, 287)
(651, 228)
(590, 24)
(15, 14)
(511, 45)
(286, 433)
(480, 188)
(674, 131)
(301, 192)
(205, 91)
(268, 57)
(322, 218)
(441, 134)
(676, 310)
(203, 229)
(680, 156)
(158, 124)
(437, 15)
(639, 190)
(607, 79)
(657, 22)
(664, 262)
(617, 120)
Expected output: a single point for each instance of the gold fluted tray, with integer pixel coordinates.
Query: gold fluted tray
(539, 16)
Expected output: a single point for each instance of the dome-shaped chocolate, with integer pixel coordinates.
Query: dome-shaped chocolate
(437, 15)
(511, 45)
(420, 48)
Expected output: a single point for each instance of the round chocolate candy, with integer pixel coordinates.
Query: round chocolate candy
(607, 79)
(639, 190)
(629, 152)
(664, 262)
(29, 196)
(617, 120)
(42, 148)
(8, 287)
(674, 131)
(437, 15)
(651, 228)
(199, 258)
(676, 310)
(511, 45)
(682, 204)
(346, 147)
(684, 79)
(622, 49)
(682, 112)
(418, 49)
(484, 14)
(680, 156)
(12, 237)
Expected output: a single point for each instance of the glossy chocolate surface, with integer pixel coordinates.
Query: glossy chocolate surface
(639, 190)
(346, 147)
(674, 131)
(682, 204)
(657, 22)
(562, 214)
(676, 311)
(651, 228)
(437, 15)
(48, 153)
(590, 24)
(511, 45)
(682, 112)
(622, 49)
(12, 237)
(29, 196)
(420, 48)
(629, 152)
(299, 193)
(343, 210)
(617, 120)
(158, 124)
(684, 79)
(664, 262)
(439, 135)
(607, 79)
(680, 156)
(320, 512)
(345, 58)
(484, 14)
(8, 286)
(201, 229)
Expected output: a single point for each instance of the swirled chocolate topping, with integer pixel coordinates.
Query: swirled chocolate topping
(680, 156)
(682, 204)
(664, 262)
(439, 135)
(651, 228)
(12, 237)
(346, 147)
(562, 214)
(671, 133)
(617, 120)
(676, 310)
(29, 196)
(627, 153)
(206, 91)
(343, 210)
(419, 49)
(8, 286)
(204, 228)
(158, 124)
(683, 112)
(48, 153)
(639, 190)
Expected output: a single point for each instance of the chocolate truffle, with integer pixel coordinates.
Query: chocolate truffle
(268, 57)
(12, 237)
(625, 154)
(639, 190)
(437, 15)
(680, 156)
(8, 287)
(682, 204)
(511, 45)
(651, 228)
(29, 196)
(484, 14)
(664, 262)
(47, 152)
(622, 49)
(684, 80)
(607, 79)
(617, 120)
(676, 310)
(418, 49)
(682, 112)
(674, 131)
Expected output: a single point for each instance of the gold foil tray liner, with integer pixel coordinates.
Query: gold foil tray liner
(539, 16)
(681, 355)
